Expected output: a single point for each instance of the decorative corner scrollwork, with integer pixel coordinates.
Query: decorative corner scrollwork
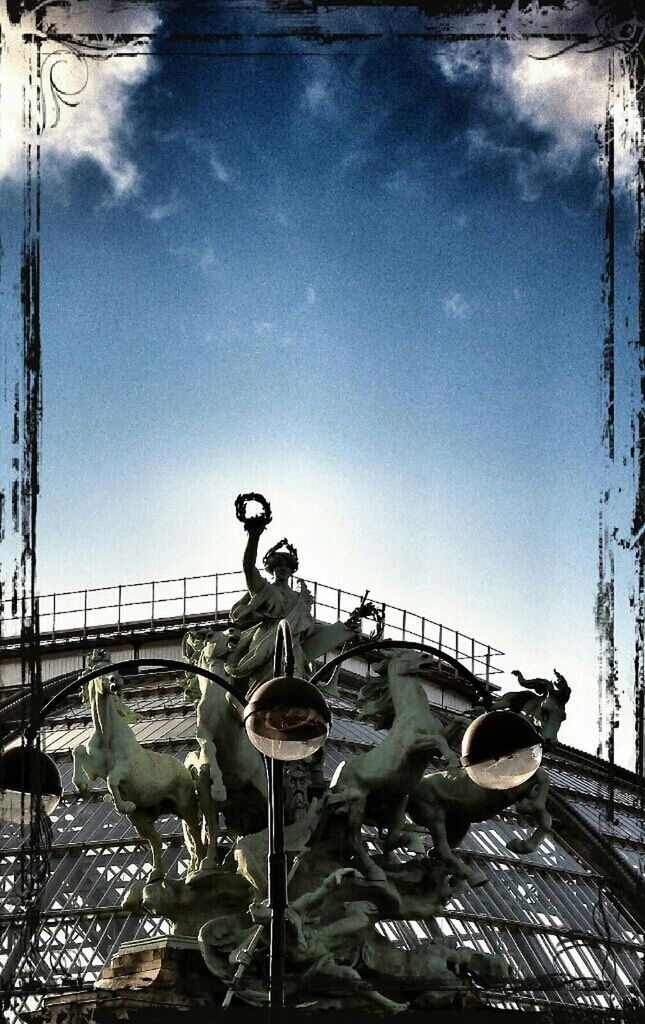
(54, 92)
(618, 26)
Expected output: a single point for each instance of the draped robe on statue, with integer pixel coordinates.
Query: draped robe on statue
(258, 614)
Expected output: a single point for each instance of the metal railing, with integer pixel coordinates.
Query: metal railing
(158, 604)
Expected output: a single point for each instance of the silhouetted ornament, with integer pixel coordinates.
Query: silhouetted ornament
(23, 772)
(287, 718)
(501, 750)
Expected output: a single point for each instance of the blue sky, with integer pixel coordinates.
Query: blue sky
(368, 286)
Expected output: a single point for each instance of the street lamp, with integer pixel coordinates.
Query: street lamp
(501, 750)
(26, 775)
(286, 719)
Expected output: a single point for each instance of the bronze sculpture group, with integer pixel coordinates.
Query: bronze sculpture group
(344, 876)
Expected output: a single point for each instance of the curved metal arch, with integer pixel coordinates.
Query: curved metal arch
(86, 677)
(484, 696)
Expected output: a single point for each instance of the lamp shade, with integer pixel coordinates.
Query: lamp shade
(24, 771)
(501, 750)
(287, 718)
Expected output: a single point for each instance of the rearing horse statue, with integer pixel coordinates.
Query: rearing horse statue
(447, 803)
(142, 784)
(374, 786)
(228, 771)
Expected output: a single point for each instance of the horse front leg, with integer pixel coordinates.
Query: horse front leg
(396, 836)
(447, 753)
(83, 773)
(209, 756)
(534, 807)
(437, 827)
(113, 779)
(365, 863)
(144, 824)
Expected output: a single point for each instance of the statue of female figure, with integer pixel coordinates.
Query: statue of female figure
(259, 612)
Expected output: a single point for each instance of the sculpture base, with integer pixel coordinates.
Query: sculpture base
(147, 982)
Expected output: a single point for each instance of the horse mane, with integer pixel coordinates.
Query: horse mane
(375, 702)
(122, 708)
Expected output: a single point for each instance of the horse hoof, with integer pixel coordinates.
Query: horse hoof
(127, 807)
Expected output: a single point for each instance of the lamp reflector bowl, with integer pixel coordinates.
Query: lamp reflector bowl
(501, 750)
(25, 771)
(287, 718)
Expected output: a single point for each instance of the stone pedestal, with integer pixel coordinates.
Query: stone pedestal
(146, 982)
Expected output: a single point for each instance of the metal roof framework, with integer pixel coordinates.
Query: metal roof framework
(558, 920)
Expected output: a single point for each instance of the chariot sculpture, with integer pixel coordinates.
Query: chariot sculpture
(410, 792)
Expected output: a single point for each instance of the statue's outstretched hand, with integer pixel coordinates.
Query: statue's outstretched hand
(254, 525)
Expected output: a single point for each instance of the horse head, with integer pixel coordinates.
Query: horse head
(192, 644)
(552, 709)
(384, 689)
(218, 644)
(106, 693)
(545, 706)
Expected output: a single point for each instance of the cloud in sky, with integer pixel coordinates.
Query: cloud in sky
(295, 327)
(221, 171)
(456, 306)
(563, 98)
(94, 128)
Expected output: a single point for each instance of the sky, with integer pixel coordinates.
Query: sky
(366, 285)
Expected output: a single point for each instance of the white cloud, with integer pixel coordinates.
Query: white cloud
(199, 255)
(565, 97)
(456, 306)
(95, 125)
(161, 210)
(221, 172)
(298, 325)
(319, 98)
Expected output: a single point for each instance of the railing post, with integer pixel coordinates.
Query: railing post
(423, 630)
(440, 644)
(216, 595)
(488, 665)
(403, 622)
(338, 605)
(315, 599)
(183, 614)
(456, 646)
(53, 616)
(152, 607)
(118, 625)
(472, 655)
(85, 614)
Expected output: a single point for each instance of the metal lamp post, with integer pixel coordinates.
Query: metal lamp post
(286, 719)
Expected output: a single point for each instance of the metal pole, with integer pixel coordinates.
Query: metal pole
(277, 877)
